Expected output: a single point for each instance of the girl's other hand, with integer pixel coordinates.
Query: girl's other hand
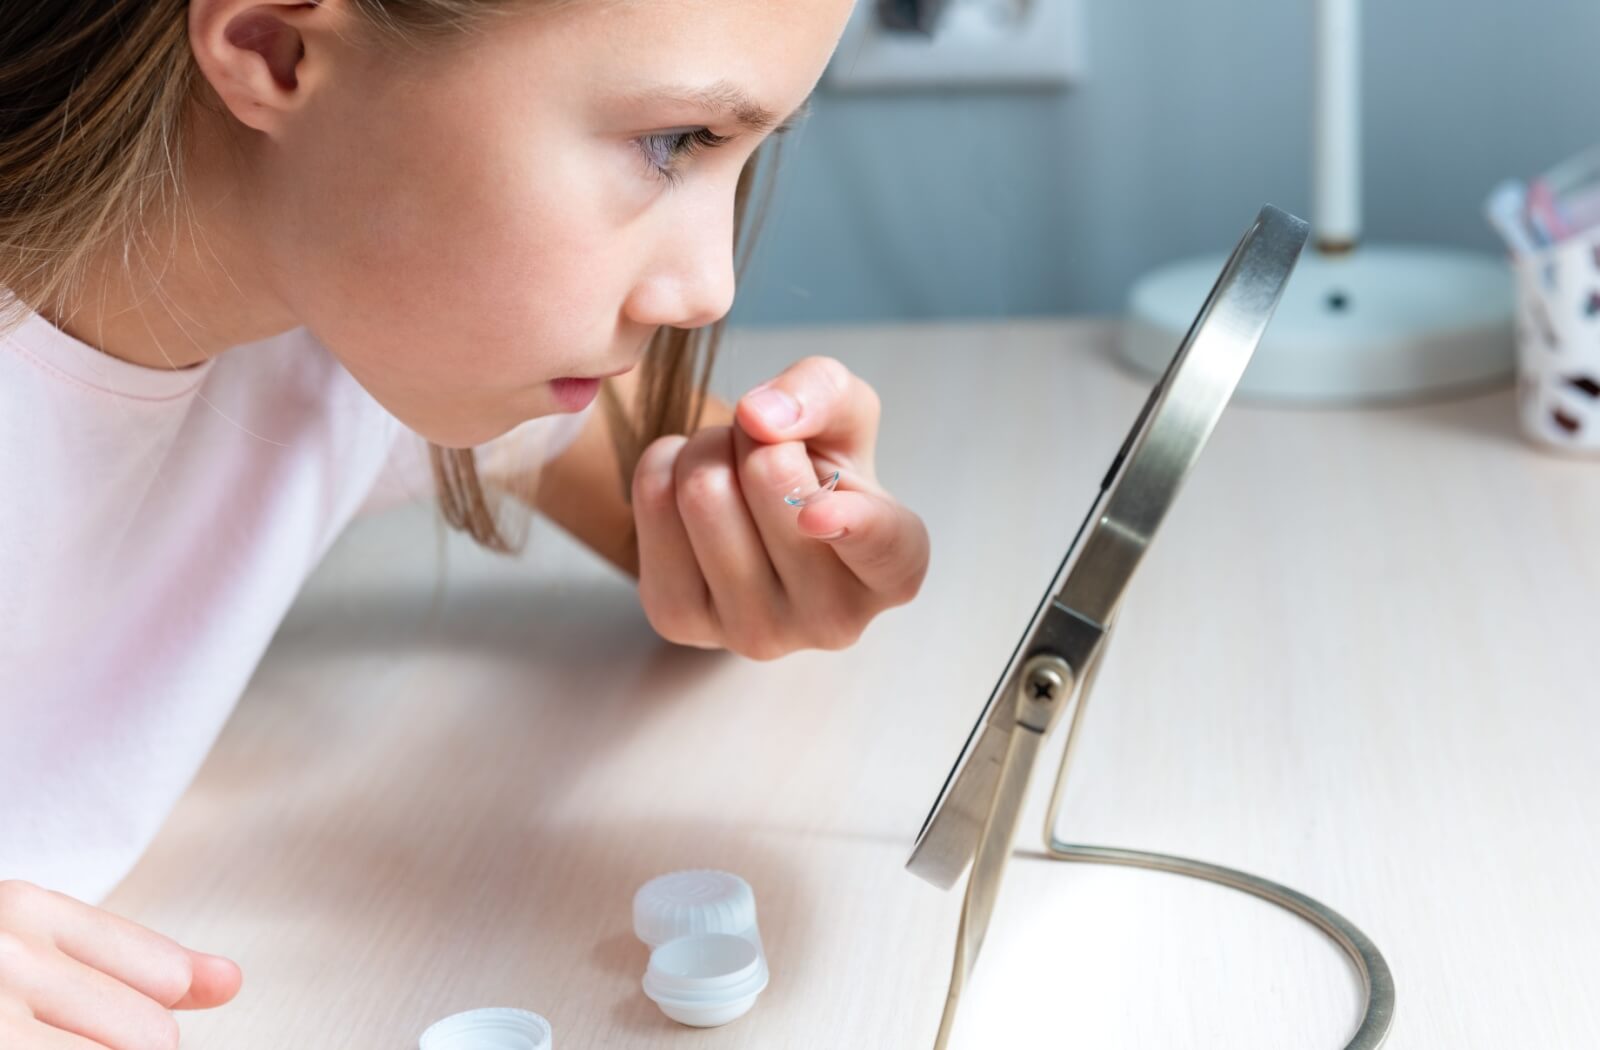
(726, 562)
(74, 977)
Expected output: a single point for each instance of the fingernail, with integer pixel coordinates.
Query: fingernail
(834, 535)
(777, 409)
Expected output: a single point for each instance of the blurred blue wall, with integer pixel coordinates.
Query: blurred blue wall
(949, 204)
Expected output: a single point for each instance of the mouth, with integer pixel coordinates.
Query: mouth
(574, 393)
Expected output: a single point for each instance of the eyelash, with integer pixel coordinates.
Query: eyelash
(673, 147)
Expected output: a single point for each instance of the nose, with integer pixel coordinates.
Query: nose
(690, 282)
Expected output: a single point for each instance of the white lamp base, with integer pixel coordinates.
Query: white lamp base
(1381, 323)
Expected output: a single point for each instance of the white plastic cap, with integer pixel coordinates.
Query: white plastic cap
(493, 1028)
(707, 965)
(692, 903)
(707, 979)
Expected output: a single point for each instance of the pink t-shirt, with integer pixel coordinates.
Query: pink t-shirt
(154, 528)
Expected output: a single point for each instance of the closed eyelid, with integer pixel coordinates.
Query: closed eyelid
(665, 149)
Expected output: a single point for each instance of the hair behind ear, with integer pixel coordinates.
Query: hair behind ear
(92, 104)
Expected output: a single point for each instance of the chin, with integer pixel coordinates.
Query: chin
(464, 436)
(488, 418)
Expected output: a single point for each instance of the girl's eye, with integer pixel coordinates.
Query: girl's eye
(664, 151)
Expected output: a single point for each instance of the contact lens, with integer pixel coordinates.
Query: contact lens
(800, 497)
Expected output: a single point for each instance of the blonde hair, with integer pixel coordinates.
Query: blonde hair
(94, 98)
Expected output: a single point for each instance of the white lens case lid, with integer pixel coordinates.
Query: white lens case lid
(491, 1028)
(692, 903)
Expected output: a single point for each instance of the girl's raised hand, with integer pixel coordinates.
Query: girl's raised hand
(74, 977)
(726, 562)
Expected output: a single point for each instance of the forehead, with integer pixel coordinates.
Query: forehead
(755, 61)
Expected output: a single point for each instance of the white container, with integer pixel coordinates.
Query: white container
(1558, 344)
(693, 902)
(707, 965)
(705, 980)
(493, 1028)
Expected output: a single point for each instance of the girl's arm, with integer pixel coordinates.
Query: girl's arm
(581, 489)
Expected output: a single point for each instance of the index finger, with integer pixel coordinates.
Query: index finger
(821, 402)
(882, 542)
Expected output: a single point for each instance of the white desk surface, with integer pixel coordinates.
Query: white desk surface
(1359, 659)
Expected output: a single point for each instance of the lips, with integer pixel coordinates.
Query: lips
(574, 394)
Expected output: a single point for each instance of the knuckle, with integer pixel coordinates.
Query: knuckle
(838, 626)
(652, 492)
(159, 1031)
(703, 475)
(889, 549)
(841, 634)
(672, 621)
(902, 593)
(664, 620)
(871, 403)
(830, 370)
(759, 644)
(646, 488)
(705, 490)
(652, 475)
(18, 898)
(917, 572)
(911, 586)
(16, 959)
(772, 467)
(902, 587)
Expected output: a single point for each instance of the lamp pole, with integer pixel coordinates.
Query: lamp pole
(1336, 148)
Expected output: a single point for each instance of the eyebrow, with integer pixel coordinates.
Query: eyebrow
(728, 99)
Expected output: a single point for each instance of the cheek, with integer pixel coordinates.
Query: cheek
(454, 282)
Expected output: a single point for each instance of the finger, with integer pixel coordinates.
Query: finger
(154, 965)
(807, 569)
(672, 589)
(745, 589)
(882, 542)
(66, 994)
(25, 1033)
(821, 402)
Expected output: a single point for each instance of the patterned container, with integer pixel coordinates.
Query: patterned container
(1558, 344)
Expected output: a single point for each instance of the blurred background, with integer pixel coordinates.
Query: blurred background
(985, 200)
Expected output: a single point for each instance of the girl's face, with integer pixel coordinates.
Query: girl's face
(463, 223)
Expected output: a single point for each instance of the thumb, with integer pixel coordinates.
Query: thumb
(819, 401)
(216, 980)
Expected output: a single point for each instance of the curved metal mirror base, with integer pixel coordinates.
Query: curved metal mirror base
(1378, 982)
(995, 849)
(1363, 954)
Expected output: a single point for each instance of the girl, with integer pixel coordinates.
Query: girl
(255, 252)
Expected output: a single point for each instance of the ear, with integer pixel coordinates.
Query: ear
(265, 58)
